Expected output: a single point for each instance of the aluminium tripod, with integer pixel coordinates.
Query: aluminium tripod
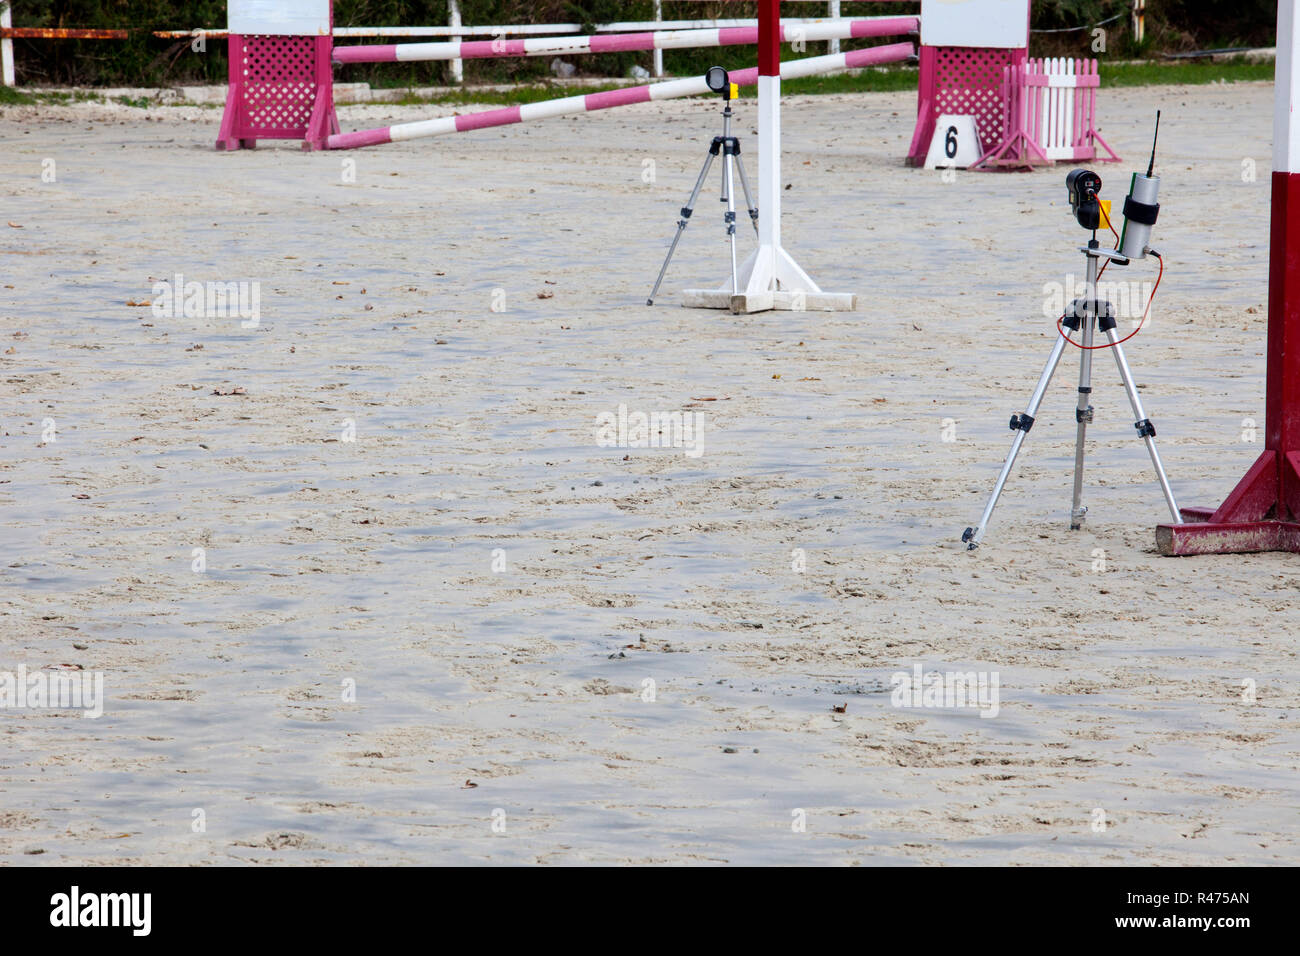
(729, 147)
(1084, 313)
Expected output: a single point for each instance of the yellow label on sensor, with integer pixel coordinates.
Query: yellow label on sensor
(1105, 212)
(735, 91)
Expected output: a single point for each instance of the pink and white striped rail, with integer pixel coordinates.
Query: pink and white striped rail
(625, 42)
(672, 89)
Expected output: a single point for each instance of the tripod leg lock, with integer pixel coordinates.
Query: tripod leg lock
(1145, 428)
(1022, 423)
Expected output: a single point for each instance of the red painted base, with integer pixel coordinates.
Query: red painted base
(1249, 520)
(1263, 511)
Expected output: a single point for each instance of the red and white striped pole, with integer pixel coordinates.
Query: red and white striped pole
(770, 278)
(1263, 511)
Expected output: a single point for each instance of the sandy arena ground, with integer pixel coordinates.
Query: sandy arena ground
(498, 587)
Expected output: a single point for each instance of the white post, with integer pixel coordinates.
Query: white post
(770, 278)
(834, 13)
(769, 172)
(6, 46)
(453, 20)
(659, 54)
(1286, 93)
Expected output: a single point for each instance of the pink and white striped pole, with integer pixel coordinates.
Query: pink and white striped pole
(623, 42)
(672, 89)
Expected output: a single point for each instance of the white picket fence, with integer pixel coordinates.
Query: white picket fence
(1049, 114)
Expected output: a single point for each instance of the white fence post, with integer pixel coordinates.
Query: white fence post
(659, 54)
(834, 13)
(6, 46)
(453, 20)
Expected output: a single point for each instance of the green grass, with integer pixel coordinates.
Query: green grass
(528, 93)
(874, 80)
(1184, 72)
(891, 78)
(11, 97)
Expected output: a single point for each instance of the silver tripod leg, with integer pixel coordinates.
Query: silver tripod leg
(749, 196)
(1021, 425)
(729, 196)
(681, 225)
(1143, 424)
(1082, 415)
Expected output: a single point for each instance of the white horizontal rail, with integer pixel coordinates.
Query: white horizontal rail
(620, 43)
(524, 29)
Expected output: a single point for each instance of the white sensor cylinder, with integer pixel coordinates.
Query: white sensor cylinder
(1136, 238)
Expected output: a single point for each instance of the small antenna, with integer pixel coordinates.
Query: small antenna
(1152, 165)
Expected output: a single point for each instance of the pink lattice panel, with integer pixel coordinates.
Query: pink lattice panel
(281, 87)
(963, 81)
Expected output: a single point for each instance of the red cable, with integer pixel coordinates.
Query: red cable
(1061, 331)
(1107, 345)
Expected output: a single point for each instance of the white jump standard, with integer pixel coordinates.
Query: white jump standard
(770, 278)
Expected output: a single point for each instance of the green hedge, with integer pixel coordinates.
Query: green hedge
(144, 60)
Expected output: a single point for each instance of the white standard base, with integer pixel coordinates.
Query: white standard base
(770, 279)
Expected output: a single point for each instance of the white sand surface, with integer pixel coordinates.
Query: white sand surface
(372, 561)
